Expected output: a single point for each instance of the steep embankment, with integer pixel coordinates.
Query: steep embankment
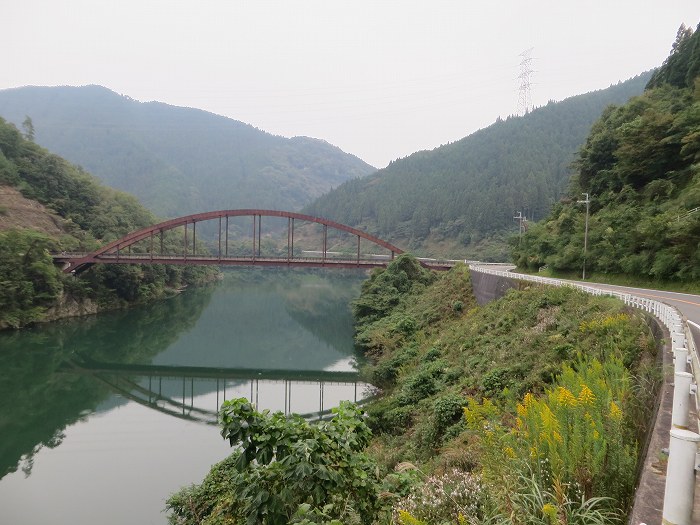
(641, 167)
(531, 394)
(48, 205)
(16, 211)
(178, 160)
(460, 198)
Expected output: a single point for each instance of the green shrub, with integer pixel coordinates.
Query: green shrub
(286, 468)
(447, 410)
(494, 381)
(423, 383)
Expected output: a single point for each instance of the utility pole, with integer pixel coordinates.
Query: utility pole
(587, 202)
(520, 219)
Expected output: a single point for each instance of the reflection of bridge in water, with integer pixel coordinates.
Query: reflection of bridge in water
(196, 393)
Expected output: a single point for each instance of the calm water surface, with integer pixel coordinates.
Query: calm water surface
(102, 418)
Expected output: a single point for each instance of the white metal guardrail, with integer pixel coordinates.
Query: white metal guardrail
(683, 445)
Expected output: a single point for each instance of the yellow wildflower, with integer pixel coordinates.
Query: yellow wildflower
(586, 396)
(565, 398)
(615, 412)
(549, 419)
(550, 512)
(405, 518)
(528, 400)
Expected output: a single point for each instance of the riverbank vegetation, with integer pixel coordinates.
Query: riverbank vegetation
(641, 167)
(531, 409)
(83, 214)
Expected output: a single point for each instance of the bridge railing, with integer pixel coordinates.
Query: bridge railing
(683, 443)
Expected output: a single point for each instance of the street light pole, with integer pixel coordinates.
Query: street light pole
(587, 202)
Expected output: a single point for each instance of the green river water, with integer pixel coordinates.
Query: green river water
(102, 418)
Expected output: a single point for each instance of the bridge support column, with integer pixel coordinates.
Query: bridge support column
(292, 237)
(325, 242)
(184, 244)
(289, 229)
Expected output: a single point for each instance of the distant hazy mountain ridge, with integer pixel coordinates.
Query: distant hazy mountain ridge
(178, 160)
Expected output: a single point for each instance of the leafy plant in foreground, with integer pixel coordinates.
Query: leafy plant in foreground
(286, 469)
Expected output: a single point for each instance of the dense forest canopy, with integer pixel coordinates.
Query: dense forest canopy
(178, 160)
(449, 200)
(88, 214)
(641, 166)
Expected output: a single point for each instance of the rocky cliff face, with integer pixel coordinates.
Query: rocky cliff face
(68, 306)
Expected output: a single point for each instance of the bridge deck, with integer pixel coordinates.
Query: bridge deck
(202, 260)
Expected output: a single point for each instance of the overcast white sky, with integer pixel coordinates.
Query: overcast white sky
(380, 79)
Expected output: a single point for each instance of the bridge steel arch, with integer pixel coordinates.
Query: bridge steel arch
(112, 252)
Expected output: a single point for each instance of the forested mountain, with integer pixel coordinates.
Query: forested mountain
(178, 160)
(455, 199)
(48, 205)
(641, 166)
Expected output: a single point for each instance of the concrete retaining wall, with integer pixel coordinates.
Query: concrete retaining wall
(488, 287)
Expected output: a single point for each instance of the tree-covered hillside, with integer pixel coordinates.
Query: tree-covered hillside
(641, 166)
(178, 160)
(453, 198)
(83, 214)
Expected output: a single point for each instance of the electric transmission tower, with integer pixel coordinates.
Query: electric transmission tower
(524, 92)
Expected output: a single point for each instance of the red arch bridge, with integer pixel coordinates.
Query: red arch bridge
(151, 246)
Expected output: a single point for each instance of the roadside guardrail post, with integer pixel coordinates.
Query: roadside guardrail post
(680, 477)
(681, 399)
(680, 359)
(677, 340)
